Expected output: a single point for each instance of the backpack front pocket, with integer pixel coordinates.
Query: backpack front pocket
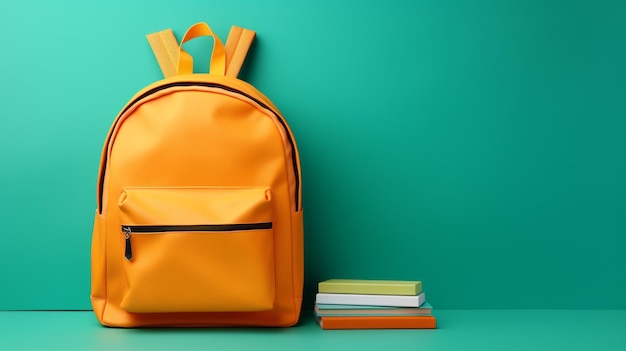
(197, 249)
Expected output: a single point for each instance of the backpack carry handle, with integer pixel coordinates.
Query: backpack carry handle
(166, 50)
(218, 56)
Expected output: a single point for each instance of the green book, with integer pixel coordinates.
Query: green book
(370, 287)
(325, 310)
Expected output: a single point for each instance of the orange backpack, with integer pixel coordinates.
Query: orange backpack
(199, 201)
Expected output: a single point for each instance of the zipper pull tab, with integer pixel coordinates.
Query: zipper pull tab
(128, 253)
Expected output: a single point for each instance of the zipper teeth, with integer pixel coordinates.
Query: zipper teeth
(208, 85)
(196, 228)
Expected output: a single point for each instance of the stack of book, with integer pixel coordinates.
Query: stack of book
(372, 304)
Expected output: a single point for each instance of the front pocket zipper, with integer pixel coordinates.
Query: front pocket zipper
(204, 249)
(129, 230)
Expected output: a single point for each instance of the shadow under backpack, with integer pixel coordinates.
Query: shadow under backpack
(199, 200)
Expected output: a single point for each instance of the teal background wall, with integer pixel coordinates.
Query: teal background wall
(475, 145)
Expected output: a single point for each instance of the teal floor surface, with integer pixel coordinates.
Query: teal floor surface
(457, 330)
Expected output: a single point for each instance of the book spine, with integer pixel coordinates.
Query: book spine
(424, 306)
(371, 300)
(373, 288)
(369, 314)
(336, 323)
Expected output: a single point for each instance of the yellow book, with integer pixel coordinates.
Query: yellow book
(370, 287)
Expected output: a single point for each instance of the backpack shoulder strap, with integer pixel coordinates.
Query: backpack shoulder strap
(237, 46)
(165, 48)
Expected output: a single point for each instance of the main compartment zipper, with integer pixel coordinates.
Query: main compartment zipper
(129, 230)
(294, 161)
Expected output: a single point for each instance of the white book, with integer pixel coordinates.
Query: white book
(371, 300)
